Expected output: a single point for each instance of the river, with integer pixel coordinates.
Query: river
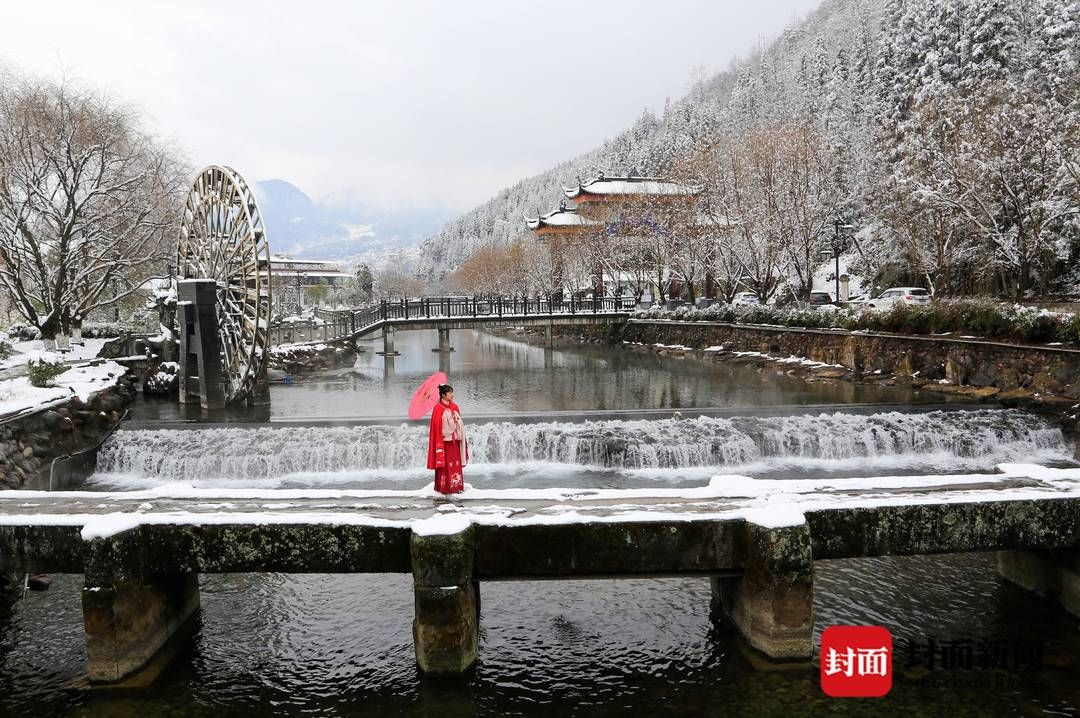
(341, 644)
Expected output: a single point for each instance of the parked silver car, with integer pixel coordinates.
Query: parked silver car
(911, 296)
(745, 299)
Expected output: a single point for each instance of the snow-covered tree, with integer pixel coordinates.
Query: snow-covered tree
(89, 203)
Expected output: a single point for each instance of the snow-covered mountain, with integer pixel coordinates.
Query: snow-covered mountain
(654, 140)
(945, 131)
(339, 228)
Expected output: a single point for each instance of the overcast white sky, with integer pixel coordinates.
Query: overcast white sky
(397, 102)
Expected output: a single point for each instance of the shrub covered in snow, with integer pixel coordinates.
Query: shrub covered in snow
(165, 379)
(6, 349)
(987, 319)
(23, 332)
(981, 318)
(762, 315)
(43, 367)
(102, 330)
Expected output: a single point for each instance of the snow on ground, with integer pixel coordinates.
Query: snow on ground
(802, 361)
(285, 349)
(18, 396)
(89, 349)
(307, 319)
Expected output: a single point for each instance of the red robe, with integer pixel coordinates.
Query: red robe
(447, 458)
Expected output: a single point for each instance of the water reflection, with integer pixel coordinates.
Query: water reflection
(331, 645)
(496, 374)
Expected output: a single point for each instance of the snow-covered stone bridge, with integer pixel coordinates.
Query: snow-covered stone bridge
(141, 552)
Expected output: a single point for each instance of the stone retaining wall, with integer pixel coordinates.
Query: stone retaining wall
(308, 358)
(29, 444)
(1053, 371)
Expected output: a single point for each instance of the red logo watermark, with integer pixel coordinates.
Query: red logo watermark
(856, 661)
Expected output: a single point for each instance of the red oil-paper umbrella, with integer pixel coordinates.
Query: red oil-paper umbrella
(426, 396)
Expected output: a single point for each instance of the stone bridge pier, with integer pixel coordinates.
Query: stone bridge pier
(772, 602)
(447, 600)
(444, 341)
(130, 611)
(388, 342)
(1052, 574)
(128, 620)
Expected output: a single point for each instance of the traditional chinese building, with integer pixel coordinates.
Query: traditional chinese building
(614, 191)
(565, 220)
(608, 208)
(292, 276)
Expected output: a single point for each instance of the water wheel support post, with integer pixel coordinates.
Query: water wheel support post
(200, 347)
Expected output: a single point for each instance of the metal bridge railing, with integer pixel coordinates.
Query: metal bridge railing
(346, 322)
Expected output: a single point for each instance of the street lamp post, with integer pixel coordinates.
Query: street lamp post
(838, 243)
(299, 290)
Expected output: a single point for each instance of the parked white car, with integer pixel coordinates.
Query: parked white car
(745, 299)
(912, 296)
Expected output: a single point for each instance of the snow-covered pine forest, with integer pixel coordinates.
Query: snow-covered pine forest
(947, 132)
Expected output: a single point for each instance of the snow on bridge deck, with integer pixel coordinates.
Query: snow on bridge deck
(764, 502)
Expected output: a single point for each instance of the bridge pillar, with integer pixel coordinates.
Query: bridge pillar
(444, 341)
(447, 601)
(1052, 574)
(388, 343)
(772, 603)
(128, 620)
(548, 341)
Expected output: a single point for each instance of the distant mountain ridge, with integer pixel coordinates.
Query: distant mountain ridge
(307, 229)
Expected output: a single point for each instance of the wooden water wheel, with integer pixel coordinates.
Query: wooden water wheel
(222, 238)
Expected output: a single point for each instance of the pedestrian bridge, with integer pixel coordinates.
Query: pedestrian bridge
(757, 540)
(446, 313)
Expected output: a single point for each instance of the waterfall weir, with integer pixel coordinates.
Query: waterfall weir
(666, 451)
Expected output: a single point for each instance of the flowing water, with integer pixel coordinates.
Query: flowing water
(603, 454)
(341, 644)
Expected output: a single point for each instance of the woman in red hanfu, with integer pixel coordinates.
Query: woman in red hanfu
(448, 452)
